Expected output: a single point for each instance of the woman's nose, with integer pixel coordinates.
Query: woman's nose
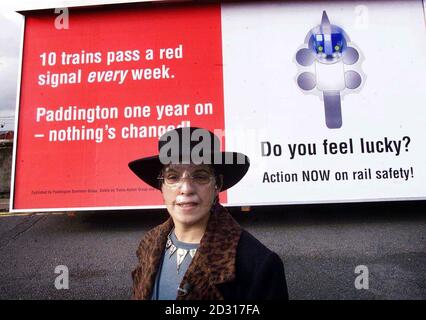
(186, 185)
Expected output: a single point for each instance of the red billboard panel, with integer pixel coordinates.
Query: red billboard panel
(100, 93)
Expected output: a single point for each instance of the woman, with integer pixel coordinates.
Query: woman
(200, 252)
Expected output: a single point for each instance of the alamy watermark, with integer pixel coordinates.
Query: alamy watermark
(361, 281)
(362, 18)
(62, 280)
(62, 21)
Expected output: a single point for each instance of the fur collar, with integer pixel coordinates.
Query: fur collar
(214, 262)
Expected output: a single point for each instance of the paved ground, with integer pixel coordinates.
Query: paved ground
(320, 247)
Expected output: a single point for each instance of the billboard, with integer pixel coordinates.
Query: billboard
(325, 99)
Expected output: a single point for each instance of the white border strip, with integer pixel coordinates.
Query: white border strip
(52, 4)
(253, 204)
(18, 102)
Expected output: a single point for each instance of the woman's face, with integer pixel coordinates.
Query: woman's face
(188, 192)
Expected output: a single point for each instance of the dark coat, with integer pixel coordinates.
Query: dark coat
(229, 264)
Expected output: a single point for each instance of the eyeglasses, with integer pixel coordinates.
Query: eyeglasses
(173, 179)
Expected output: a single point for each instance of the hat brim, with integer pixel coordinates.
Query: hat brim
(149, 168)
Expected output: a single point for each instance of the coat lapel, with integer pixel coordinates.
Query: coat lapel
(149, 253)
(214, 262)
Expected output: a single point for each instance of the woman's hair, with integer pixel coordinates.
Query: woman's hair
(219, 183)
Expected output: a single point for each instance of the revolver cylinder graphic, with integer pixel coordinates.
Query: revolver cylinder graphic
(329, 66)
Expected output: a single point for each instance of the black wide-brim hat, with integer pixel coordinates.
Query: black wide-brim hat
(191, 145)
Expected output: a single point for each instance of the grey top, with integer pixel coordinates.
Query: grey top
(176, 259)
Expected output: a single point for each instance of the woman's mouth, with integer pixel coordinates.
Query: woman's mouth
(187, 205)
